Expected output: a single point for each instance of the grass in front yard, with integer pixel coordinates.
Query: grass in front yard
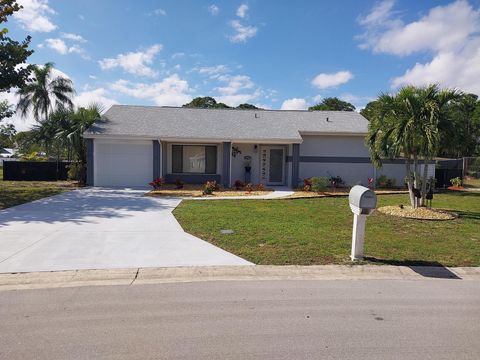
(472, 183)
(19, 192)
(318, 231)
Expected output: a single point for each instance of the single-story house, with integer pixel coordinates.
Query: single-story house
(131, 145)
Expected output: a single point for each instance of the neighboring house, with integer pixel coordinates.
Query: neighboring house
(132, 145)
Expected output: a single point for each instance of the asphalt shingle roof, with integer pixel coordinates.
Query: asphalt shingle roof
(224, 124)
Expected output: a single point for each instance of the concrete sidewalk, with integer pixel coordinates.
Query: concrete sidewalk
(137, 276)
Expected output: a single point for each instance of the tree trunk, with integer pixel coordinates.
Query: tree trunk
(416, 177)
(409, 181)
(424, 182)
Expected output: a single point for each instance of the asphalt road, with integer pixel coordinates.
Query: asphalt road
(358, 319)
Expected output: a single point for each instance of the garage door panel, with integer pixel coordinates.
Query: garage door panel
(123, 163)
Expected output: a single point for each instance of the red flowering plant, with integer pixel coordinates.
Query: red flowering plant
(307, 184)
(156, 183)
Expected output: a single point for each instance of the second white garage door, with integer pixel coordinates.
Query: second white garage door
(123, 163)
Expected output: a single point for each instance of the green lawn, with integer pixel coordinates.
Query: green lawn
(18, 192)
(318, 231)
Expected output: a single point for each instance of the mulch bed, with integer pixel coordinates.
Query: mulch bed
(456, 188)
(421, 213)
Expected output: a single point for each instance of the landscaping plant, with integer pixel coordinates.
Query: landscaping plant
(320, 184)
(456, 181)
(307, 184)
(260, 187)
(238, 185)
(179, 184)
(411, 125)
(210, 187)
(249, 187)
(156, 184)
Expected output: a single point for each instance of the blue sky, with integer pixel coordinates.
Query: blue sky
(275, 54)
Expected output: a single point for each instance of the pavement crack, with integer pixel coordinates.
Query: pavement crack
(136, 275)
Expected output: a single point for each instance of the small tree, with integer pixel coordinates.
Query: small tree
(332, 104)
(408, 124)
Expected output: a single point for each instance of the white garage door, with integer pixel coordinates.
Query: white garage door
(123, 163)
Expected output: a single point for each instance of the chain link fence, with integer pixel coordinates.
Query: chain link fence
(471, 171)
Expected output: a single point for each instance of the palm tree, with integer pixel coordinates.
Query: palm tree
(41, 93)
(408, 124)
(72, 131)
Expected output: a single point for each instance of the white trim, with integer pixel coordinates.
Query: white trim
(331, 133)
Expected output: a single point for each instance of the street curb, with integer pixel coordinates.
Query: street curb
(139, 276)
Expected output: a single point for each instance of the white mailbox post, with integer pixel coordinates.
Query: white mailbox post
(363, 202)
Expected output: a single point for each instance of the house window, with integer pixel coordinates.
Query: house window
(197, 159)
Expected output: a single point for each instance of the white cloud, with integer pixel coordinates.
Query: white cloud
(450, 33)
(242, 32)
(380, 13)
(136, 63)
(21, 124)
(242, 11)
(62, 48)
(214, 9)
(178, 55)
(160, 12)
(171, 91)
(97, 96)
(212, 71)
(73, 37)
(294, 104)
(237, 89)
(357, 100)
(444, 28)
(324, 80)
(35, 15)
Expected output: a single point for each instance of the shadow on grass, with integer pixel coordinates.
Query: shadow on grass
(431, 269)
(468, 214)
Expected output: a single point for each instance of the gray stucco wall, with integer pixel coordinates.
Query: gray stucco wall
(90, 162)
(323, 145)
(347, 157)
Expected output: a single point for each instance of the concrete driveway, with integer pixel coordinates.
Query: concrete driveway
(100, 229)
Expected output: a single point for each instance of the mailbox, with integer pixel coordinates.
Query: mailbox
(363, 202)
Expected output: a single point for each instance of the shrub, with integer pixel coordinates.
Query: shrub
(74, 171)
(384, 182)
(336, 181)
(307, 184)
(179, 184)
(238, 185)
(210, 187)
(156, 184)
(260, 187)
(249, 187)
(456, 181)
(320, 184)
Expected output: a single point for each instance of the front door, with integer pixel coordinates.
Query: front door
(273, 165)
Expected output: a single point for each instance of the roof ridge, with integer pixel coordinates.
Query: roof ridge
(234, 109)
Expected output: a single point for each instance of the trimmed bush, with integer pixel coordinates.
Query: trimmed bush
(320, 184)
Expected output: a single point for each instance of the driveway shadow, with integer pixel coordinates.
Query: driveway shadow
(431, 269)
(79, 205)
